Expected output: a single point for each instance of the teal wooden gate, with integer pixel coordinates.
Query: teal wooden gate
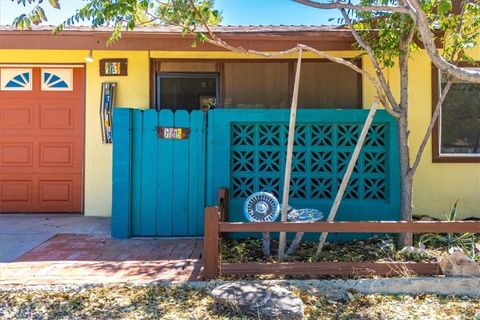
(158, 182)
(247, 148)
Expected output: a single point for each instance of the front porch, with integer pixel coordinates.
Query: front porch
(20, 233)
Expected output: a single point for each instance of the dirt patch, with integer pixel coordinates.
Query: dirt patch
(375, 249)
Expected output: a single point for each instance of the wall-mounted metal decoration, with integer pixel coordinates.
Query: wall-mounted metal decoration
(173, 133)
(106, 106)
(113, 67)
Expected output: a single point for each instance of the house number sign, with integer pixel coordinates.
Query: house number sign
(173, 133)
(113, 67)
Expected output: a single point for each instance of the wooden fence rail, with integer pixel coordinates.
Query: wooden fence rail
(215, 226)
(353, 226)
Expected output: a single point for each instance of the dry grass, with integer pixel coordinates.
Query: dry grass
(112, 302)
(159, 302)
(391, 307)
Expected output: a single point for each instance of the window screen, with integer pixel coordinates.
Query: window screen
(256, 85)
(328, 85)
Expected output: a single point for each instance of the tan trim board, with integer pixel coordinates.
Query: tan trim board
(42, 65)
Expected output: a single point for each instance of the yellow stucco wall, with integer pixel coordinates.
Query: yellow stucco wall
(132, 91)
(436, 186)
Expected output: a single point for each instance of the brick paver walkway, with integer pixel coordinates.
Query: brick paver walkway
(73, 258)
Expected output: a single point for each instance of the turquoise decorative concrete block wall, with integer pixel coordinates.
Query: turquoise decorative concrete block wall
(247, 148)
(162, 182)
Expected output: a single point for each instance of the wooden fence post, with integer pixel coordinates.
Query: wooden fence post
(211, 244)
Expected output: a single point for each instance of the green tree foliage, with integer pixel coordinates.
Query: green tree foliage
(457, 28)
(36, 15)
(128, 14)
(383, 31)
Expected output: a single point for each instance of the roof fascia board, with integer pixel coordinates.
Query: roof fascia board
(172, 42)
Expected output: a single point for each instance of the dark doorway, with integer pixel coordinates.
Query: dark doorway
(187, 91)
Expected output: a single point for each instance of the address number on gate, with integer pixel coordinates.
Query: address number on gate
(173, 133)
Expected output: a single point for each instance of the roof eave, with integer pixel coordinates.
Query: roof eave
(134, 40)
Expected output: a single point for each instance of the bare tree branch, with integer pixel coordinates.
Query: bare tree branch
(215, 40)
(428, 40)
(378, 87)
(439, 104)
(435, 115)
(349, 6)
(459, 28)
(414, 9)
(322, 54)
(405, 44)
(373, 59)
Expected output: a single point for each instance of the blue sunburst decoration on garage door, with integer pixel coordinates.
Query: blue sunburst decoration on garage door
(16, 79)
(56, 79)
(19, 81)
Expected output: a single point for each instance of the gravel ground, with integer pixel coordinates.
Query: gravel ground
(167, 302)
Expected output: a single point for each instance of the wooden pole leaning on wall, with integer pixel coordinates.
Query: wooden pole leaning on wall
(211, 257)
(223, 207)
(348, 173)
(223, 204)
(288, 163)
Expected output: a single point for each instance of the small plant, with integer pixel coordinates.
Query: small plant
(467, 242)
(240, 251)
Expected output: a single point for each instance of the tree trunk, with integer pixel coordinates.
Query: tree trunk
(406, 200)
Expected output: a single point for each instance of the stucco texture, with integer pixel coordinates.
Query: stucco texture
(436, 185)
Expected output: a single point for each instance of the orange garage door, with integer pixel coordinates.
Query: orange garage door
(41, 139)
